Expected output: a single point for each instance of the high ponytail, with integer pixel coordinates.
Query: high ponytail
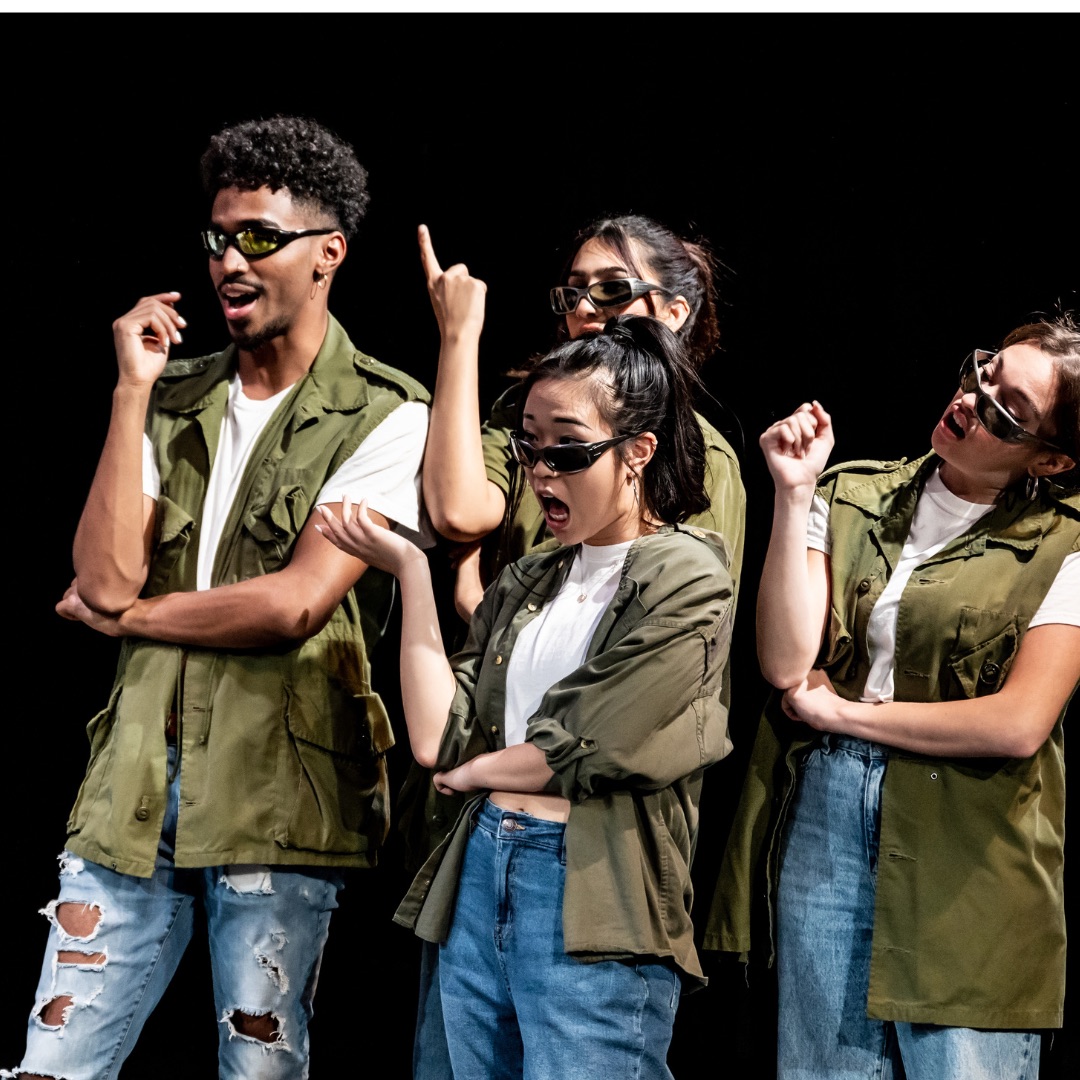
(645, 382)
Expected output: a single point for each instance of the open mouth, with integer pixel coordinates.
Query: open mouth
(953, 425)
(556, 512)
(238, 300)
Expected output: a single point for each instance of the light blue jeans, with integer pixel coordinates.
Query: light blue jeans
(825, 917)
(431, 1056)
(267, 929)
(514, 1004)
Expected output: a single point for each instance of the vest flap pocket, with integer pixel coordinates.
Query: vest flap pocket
(837, 643)
(330, 702)
(173, 529)
(282, 517)
(985, 650)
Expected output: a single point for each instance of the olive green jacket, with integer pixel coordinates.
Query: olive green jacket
(282, 749)
(427, 815)
(628, 735)
(969, 924)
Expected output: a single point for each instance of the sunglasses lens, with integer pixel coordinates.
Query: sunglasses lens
(257, 241)
(612, 293)
(992, 420)
(567, 459)
(214, 241)
(564, 299)
(967, 375)
(524, 453)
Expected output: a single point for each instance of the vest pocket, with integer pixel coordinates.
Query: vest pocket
(97, 731)
(275, 526)
(985, 650)
(173, 528)
(334, 787)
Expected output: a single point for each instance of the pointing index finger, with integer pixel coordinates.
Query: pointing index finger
(432, 269)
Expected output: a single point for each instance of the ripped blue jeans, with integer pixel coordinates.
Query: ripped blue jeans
(124, 936)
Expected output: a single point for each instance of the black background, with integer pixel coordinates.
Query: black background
(886, 192)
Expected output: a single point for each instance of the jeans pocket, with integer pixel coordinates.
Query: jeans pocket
(806, 757)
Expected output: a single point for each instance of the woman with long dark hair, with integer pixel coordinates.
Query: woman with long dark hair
(626, 265)
(578, 718)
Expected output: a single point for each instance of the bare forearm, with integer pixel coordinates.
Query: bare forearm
(522, 768)
(427, 681)
(974, 727)
(464, 505)
(110, 552)
(792, 596)
(1013, 723)
(258, 613)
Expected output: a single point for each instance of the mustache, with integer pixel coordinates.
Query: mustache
(237, 278)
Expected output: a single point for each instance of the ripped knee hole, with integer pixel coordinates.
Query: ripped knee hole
(264, 1028)
(78, 920)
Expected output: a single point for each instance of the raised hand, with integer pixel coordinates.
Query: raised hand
(797, 448)
(457, 298)
(358, 535)
(143, 335)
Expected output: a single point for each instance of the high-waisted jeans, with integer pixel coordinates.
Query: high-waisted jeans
(514, 1004)
(825, 918)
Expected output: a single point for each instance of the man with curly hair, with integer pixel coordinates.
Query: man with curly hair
(240, 762)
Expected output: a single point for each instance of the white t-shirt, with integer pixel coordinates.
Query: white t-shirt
(940, 516)
(384, 469)
(556, 641)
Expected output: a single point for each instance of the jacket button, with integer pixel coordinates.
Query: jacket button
(532, 607)
(864, 585)
(142, 814)
(990, 672)
(494, 729)
(498, 659)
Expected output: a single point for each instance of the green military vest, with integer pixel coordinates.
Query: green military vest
(282, 750)
(969, 925)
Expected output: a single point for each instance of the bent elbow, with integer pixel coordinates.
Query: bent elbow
(464, 515)
(459, 524)
(287, 622)
(1027, 743)
(425, 752)
(781, 675)
(110, 597)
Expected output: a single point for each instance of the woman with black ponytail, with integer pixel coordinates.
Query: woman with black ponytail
(579, 718)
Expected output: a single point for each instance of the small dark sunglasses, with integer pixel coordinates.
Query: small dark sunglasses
(561, 457)
(617, 292)
(991, 413)
(254, 242)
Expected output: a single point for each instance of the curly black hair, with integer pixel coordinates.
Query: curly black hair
(293, 152)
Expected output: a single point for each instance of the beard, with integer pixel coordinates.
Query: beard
(253, 341)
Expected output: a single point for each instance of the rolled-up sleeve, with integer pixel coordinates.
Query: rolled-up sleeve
(644, 710)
